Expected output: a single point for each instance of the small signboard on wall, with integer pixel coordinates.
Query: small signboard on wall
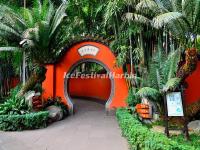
(174, 104)
(88, 50)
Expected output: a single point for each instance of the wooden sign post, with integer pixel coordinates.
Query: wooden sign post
(175, 107)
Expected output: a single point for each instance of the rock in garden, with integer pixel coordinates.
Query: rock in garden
(55, 113)
(194, 125)
(28, 97)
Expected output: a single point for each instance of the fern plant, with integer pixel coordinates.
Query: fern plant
(162, 68)
(172, 84)
(150, 93)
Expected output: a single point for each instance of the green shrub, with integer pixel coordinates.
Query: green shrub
(132, 99)
(23, 122)
(141, 138)
(14, 105)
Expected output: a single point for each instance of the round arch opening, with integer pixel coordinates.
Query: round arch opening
(105, 79)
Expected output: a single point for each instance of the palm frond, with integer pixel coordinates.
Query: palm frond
(10, 16)
(58, 17)
(137, 55)
(165, 5)
(37, 10)
(166, 18)
(6, 29)
(42, 35)
(178, 27)
(171, 65)
(146, 4)
(128, 16)
(176, 5)
(141, 19)
(147, 92)
(113, 8)
(44, 8)
(171, 84)
(50, 12)
(191, 10)
(38, 6)
(28, 17)
(196, 16)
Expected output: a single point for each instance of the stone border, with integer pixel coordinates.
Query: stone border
(66, 83)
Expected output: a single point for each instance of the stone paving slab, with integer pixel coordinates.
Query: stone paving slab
(89, 129)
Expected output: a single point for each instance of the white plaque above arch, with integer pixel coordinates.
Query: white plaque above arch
(88, 50)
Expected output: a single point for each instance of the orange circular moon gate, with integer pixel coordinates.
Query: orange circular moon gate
(56, 83)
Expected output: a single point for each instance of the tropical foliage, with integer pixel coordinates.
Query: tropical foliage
(14, 105)
(34, 29)
(161, 69)
(151, 35)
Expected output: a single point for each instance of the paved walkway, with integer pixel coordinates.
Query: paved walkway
(88, 129)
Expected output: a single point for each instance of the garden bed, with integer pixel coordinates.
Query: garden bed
(140, 137)
(23, 122)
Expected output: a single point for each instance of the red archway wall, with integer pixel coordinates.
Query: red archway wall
(192, 93)
(54, 85)
(94, 88)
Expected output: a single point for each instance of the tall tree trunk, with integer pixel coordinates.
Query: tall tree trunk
(37, 77)
(131, 53)
(24, 69)
(142, 47)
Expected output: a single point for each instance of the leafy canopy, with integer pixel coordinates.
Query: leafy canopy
(33, 29)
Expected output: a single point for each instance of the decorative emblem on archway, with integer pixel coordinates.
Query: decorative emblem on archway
(87, 51)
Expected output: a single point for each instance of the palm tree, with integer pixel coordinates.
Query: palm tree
(181, 17)
(123, 42)
(34, 31)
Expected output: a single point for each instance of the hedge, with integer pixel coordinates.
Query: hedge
(141, 138)
(23, 122)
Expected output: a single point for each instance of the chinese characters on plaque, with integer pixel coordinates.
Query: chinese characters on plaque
(174, 104)
(88, 50)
